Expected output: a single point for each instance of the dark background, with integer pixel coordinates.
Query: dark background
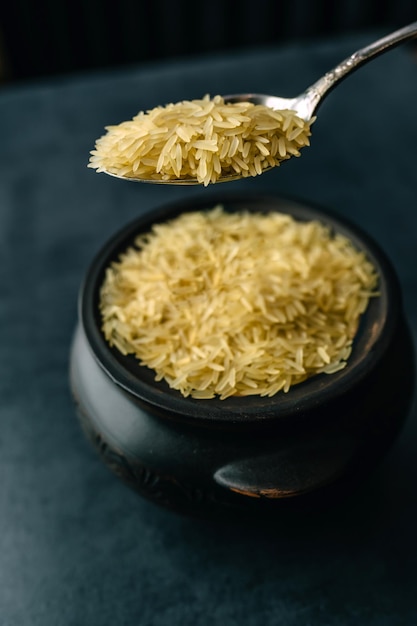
(49, 37)
(77, 547)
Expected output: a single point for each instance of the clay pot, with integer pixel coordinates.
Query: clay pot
(245, 455)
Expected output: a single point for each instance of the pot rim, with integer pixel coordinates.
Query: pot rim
(375, 333)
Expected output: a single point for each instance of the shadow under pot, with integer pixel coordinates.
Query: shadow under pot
(244, 455)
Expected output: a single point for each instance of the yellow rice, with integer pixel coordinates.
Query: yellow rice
(200, 139)
(222, 304)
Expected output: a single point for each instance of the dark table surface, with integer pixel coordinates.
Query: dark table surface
(77, 546)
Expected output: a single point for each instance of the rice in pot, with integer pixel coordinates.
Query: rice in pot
(222, 304)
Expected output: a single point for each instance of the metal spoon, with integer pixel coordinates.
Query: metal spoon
(306, 103)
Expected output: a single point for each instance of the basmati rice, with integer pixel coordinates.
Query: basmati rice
(201, 139)
(222, 304)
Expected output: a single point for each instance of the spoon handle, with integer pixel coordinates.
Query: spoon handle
(319, 89)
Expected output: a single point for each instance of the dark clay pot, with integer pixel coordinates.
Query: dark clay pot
(245, 455)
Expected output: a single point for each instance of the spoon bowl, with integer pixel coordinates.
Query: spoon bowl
(304, 105)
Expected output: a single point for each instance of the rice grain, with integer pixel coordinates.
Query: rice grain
(245, 138)
(225, 304)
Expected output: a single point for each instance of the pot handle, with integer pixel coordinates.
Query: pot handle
(289, 472)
